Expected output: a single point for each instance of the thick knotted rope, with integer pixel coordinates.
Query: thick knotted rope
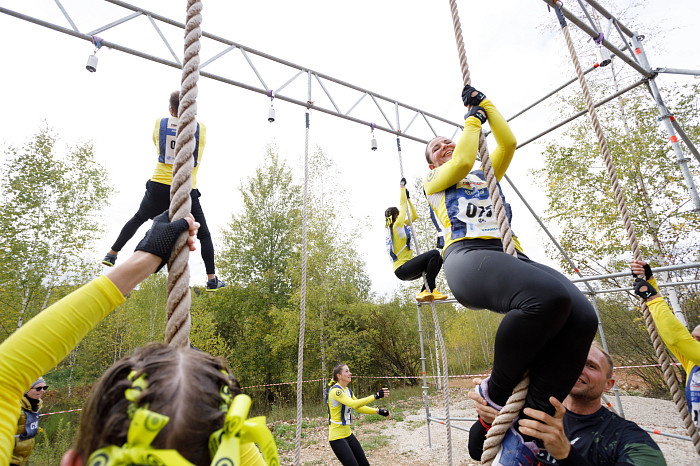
(438, 331)
(177, 329)
(302, 311)
(661, 353)
(515, 403)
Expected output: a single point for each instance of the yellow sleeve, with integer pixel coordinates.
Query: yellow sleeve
(366, 410)
(156, 133)
(401, 218)
(505, 140)
(340, 396)
(202, 141)
(673, 333)
(414, 214)
(42, 343)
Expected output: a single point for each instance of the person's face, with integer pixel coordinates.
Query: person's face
(440, 151)
(37, 392)
(593, 380)
(345, 375)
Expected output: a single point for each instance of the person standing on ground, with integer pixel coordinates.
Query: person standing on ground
(157, 196)
(339, 400)
(28, 422)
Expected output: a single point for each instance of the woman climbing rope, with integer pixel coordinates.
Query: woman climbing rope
(398, 244)
(162, 404)
(548, 324)
(339, 399)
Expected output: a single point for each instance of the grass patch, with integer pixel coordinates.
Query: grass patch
(377, 441)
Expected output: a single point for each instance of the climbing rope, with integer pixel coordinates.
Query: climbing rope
(438, 331)
(177, 328)
(302, 311)
(515, 403)
(661, 354)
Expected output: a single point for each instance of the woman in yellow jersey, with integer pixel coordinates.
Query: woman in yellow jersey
(548, 324)
(162, 405)
(340, 399)
(684, 345)
(398, 244)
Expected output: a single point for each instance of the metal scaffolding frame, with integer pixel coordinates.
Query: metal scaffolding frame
(630, 52)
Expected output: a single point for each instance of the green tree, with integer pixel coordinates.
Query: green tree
(49, 217)
(581, 201)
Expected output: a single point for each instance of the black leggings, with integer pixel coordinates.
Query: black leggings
(548, 324)
(154, 202)
(428, 262)
(349, 451)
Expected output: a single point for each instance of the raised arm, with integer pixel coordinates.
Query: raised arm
(505, 140)
(47, 338)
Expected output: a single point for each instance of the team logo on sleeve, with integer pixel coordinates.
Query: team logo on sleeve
(338, 392)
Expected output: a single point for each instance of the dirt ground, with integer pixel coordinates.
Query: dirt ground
(405, 439)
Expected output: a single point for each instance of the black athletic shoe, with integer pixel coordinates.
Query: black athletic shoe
(109, 260)
(214, 284)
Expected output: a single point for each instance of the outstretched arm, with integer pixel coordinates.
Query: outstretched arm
(505, 140)
(47, 338)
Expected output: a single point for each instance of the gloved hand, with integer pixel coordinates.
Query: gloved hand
(643, 289)
(403, 182)
(161, 238)
(379, 394)
(647, 272)
(383, 412)
(478, 112)
(467, 96)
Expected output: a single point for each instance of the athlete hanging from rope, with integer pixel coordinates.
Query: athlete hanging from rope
(398, 244)
(548, 324)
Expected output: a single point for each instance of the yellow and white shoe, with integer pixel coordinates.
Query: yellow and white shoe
(437, 296)
(424, 296)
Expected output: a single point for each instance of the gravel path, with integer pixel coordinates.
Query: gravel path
(407, 440)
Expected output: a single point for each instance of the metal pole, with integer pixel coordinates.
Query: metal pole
(583, 112)
(677, 71)
(666, 268)
(661, 285)
(665, 114)
(425, 382)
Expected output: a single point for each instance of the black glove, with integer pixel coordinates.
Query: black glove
(647, 271)
(403, 181)
(379, 394)
(478, 112)
(383, 412)
(467, 96)
(647, 292)
(161, 238)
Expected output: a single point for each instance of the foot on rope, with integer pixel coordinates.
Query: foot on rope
(515, 451)
(437, 296)
(478, 112)
(109, 260)
(424, 296)
(215, 283)
(471, 96)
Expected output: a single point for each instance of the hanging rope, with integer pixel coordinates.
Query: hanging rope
(177, 328)
(661, 354)
(515, 403)
(438, 332)
(302, 311)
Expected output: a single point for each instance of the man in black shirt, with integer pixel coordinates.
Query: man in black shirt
(582, 431)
